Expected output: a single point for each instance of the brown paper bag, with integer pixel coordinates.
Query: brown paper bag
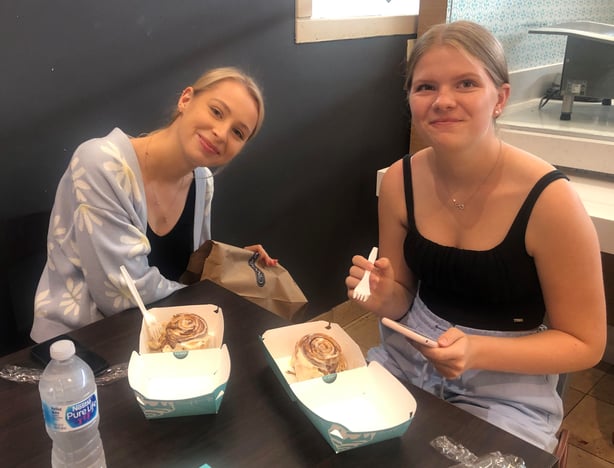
(238, 270)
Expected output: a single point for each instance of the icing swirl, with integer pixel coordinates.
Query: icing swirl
(183, 331)
(321, 352)
(184, 327)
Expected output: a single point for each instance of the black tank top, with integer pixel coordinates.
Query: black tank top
(171, 252)
(496, 289)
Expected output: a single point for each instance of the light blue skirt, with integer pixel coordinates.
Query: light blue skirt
(527, 406)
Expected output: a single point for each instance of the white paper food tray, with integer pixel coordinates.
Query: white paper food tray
(181, 383)
(360, 406)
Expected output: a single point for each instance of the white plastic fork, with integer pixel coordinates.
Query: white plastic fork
(153, 326)
(362, 292)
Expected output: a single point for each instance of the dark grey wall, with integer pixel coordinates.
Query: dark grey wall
(305, 187)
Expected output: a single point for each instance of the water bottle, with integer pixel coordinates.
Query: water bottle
(70, 408)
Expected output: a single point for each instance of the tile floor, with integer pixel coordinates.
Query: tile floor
(589, 399)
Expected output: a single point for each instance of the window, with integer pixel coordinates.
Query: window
(328, 20)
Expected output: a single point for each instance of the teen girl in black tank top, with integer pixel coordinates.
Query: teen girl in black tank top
(495, 289)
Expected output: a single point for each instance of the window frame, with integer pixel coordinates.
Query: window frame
(308, 29)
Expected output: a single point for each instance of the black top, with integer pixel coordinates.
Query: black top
(495, 289)
(171, 252)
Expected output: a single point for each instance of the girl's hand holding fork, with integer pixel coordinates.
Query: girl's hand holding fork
(381, 281)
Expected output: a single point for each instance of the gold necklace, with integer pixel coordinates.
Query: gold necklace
(460, 205)
(156, 200)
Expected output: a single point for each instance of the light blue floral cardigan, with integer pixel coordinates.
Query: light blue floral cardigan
(99, 222)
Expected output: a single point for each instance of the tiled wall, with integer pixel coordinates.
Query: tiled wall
(510, 21)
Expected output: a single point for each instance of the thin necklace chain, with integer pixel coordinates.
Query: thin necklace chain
(153, 188)
(460, 205)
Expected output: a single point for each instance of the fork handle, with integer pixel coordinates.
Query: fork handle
(133, 290)
(373, 255)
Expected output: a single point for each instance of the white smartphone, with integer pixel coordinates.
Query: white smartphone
(409, 333)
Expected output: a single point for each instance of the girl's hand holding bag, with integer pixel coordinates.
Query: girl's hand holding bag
(238, 270)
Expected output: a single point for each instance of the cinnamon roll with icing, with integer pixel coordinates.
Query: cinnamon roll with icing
(316, 355)
(182, 332)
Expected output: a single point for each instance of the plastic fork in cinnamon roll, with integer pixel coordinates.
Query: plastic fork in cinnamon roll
(182, 332)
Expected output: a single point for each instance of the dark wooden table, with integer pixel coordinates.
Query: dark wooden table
(257, 426)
